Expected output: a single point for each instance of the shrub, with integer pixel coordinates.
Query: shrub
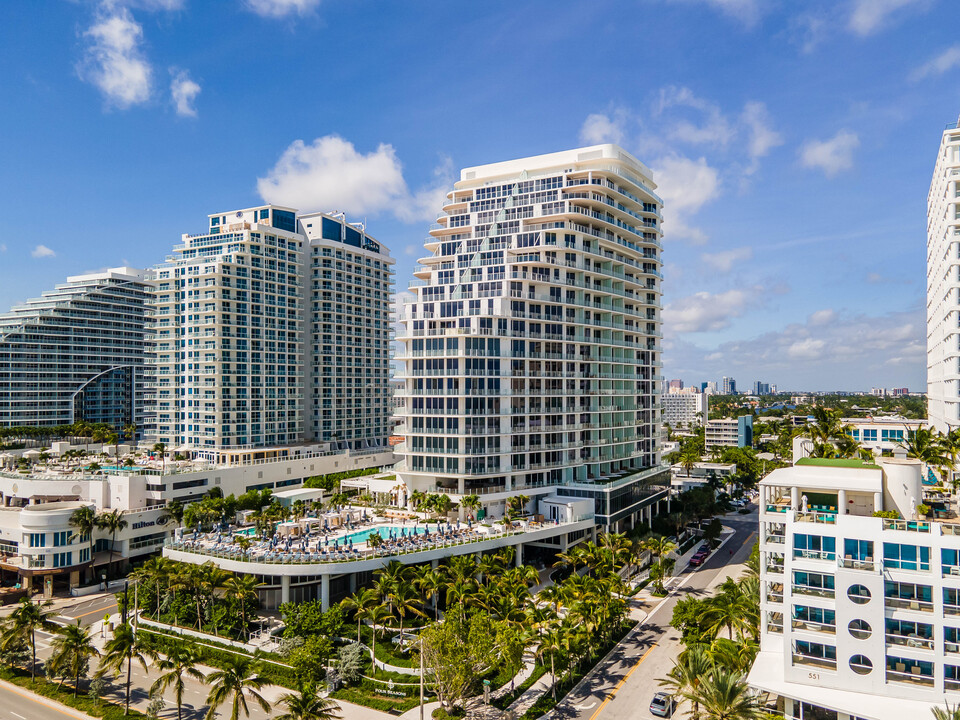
(452, 714)
(888, 514)
(351, 659)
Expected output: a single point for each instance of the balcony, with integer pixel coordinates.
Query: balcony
(817, 517)
(813, 591)
(914, 677)
(776, 539)
(910, 641)
(906, 525)
(815, 554)
(814, 626)
(851, 563)
(912, 604)
(820, 662)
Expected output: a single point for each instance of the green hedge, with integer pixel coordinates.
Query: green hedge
(331, 481)
(384, 703)
(504, 701)
(104, 709)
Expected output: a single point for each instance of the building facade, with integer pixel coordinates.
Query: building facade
(76, 353)
(729, 432)
(240, 361)
(685, 408)
(728, 386)
(532, 346)
(943, 285)
(860, 615)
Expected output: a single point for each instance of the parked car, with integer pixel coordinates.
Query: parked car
(698, 559)
(662, 705)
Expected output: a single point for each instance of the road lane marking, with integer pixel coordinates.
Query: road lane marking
(17, 715)
(584, 707)
(33, 699)
(77, 617)
(620, 684)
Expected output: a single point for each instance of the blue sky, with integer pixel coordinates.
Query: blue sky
(793, 142)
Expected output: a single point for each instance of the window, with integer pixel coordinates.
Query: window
(814, 546)
(858, 594)
(860, 629)
(814, 618)
(908, 596)
(807, 583)
(36, 539)
(861, 665)
(906, 557)
(869, 435)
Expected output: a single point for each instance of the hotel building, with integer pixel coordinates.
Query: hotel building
(532, 346)
(685, 408)
(860, 615)
(271, 331)
(76, 353)
(943, 285)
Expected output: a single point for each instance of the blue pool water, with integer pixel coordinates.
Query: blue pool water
(384, 531)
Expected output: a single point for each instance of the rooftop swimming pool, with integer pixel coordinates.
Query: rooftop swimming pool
(384, 532)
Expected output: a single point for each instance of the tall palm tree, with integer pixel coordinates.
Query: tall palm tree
(729, 609)
(308, 705)
(377, 615)
(238, 681)
(724, 695)
(471, 503)
(161, 449)
(428, 582)
(213, 580)
(83, 520)
(177, 663)
(928, 446)
(72, 650)
(242, 588)
(25, 620)
(124, 647)
(689, 670)
(551, 643)
(358, 602)
(404, 600)
(155, 570)
(113, 522)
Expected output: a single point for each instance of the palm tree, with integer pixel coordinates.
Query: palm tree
(173, 511)
(238, 681)
(471, 503)
(308, 705)
(516, 505)
(123, 648)
(242, 588)
(724, 695)
(729, 609)
(178, 662)
(25, 620)
(658, 546)
(688, 457)
(928, 446)
(72, 649)
(161, 449)
(405, 599)
(113, 522)
(946, 713)
(376, 614)
(358, 602)
(684, 678)
(84, 520)
(156, 570)
(551, 643)
(428, 582)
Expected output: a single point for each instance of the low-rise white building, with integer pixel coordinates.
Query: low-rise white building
(860, 615)
(685, 408)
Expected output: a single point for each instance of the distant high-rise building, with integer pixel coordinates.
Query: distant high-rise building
(685, 408)
(234, 348)
(729, 386)
(773, 389)
(710, 388)
(943, 285)
(76, 353)
(900, 392)
(676, 385)
(761, 388)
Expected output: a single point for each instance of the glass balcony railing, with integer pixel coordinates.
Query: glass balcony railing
(851, 563)
(813, 591)
(910, 641)
(821, 662)
(815, 554)
(911, 604)
(812, 626)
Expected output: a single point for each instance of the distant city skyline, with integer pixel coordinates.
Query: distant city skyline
(794, 195)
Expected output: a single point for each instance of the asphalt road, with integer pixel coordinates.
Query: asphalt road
(87, 611)
(624, 686)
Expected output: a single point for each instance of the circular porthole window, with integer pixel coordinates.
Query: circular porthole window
(860, 629)
(859, 594)
(861, 665)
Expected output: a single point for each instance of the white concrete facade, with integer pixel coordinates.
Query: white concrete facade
(685, 409)
(854, 608)
(943, 285)
(532, 347)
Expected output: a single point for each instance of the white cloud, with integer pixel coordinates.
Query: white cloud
(833, 155)
(330, 174)
(114, 60)
(761, 138)
(3, 248)
(869, 16)
(724, 260)
(704, 311)
(944, 62)
(412, 250)
(42, 251)
(281, 8)
(184, 91)
(714, 129)
(685, 186)
(830, 350)
(600, 128)
(148, 5)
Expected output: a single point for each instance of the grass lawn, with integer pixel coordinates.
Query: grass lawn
(104, 709)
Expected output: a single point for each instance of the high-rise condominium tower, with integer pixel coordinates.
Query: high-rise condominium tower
(531, 349)
(943, 285)
(76, 353)
(240, 362)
